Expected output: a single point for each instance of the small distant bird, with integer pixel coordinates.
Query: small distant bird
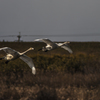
(13, 54)
(51, 45)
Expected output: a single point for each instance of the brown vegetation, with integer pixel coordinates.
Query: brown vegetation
(60, 75)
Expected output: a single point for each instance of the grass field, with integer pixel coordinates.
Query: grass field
(60, 75)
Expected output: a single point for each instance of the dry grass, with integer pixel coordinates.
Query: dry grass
(50, 86)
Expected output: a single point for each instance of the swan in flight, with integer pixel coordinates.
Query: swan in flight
(13, 54)
(51, 45)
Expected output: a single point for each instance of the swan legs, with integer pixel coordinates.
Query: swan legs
(45, 50)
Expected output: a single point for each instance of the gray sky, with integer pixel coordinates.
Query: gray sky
(50, 17)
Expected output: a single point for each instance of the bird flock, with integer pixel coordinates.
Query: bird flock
(12, 54)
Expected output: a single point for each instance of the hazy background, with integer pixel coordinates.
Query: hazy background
(75, 20)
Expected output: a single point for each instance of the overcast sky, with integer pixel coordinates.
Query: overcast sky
(50, 17)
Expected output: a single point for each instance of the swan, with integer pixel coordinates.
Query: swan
(51, 45)
(13, 54)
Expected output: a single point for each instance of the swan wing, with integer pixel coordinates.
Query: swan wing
(29, 61)
(47, 41)
(8, 50)
(66, 47)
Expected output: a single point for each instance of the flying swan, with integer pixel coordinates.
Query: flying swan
(51, 45)
(12, 55)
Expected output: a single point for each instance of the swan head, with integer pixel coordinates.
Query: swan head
(31, 48)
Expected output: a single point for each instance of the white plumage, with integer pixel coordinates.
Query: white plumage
(13, 54)
(51, 45)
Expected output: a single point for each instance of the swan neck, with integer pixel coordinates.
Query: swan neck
(24, 52)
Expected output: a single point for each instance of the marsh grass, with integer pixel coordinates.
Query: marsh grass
(60, 75)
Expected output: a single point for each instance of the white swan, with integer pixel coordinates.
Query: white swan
(51, 45)
(12, 54)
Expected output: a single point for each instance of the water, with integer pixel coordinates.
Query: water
(55, 38)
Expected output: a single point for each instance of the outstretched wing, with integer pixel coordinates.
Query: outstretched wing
(66, 47)
(47, 41)
(29, 61)
(8, 50)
